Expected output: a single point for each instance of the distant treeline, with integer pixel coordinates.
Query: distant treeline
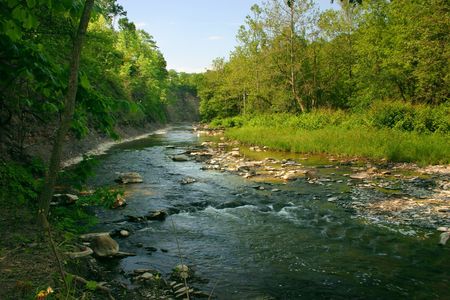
(294, 58)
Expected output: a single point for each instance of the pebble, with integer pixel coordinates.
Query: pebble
(146, 276)
(124, 233)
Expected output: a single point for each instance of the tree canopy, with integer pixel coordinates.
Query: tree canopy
(123, 76)
(291, 53)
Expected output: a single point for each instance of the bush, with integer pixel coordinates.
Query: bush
(408, 117)
(19, 182)
(231, 122)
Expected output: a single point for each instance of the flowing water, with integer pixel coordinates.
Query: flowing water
(289, 244)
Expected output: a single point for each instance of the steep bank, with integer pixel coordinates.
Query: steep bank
(93, 144)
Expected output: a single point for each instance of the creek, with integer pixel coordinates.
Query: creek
(286, 241)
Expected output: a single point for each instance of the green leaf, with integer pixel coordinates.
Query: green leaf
(84, 81)
(91, 285)
(12, 30)
(12, 3)
(50, 107)
(19, 13)
(31, 3)
(31, 21)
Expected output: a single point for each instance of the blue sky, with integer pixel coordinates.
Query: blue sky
(191, 33)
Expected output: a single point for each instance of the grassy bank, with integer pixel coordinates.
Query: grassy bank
(393, 131)
(392, 145)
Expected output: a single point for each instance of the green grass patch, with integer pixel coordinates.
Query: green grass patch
(393, 145)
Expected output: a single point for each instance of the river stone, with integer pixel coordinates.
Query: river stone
(180, 158)
(232, 204)
(130, 177)
(443, 229)
(183, 291)
(444, 238)
(289, 176)
(146, 276)
(332, 199)
(444, 209)
(159, 215)
(124, 233)
(92, 236)
(142, 271)
(188, 180)
(105, 246)
(235, 153)
(119, 202)
(64, 199)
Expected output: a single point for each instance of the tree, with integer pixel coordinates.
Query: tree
(69, 107)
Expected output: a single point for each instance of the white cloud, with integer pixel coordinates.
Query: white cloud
(215, 37)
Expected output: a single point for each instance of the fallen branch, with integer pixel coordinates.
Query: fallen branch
(99, 287)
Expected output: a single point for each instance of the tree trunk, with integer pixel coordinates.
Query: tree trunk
(69, 107)
(292, 59)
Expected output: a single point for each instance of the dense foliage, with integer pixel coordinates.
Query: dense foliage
(391, 131)
(293, 58)
(123, 76)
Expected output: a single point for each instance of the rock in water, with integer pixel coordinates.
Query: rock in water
(146, 276)
(124, 233)
(104, 246)
(92, 236)
(187, 180)
(131, 177)
(159, 215)
(444, 238)
(180, 158)
(119, 202)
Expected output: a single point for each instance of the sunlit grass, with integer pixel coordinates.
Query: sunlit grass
(390, 144)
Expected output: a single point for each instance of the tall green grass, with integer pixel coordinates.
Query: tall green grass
(390, 144)
(396, 131)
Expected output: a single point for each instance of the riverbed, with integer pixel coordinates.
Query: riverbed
(248, 239)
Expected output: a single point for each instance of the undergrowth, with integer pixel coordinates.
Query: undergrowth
(24, 253)
(395, 131)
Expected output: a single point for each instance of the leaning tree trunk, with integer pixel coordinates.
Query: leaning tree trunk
(69, 107)
(293, 79)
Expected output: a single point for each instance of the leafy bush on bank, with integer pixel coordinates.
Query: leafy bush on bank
(392, 115)
(395, 131)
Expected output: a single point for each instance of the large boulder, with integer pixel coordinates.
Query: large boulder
(130, 177)
(105, 246)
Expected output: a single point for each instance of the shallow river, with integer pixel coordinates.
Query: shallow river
(289, 244)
